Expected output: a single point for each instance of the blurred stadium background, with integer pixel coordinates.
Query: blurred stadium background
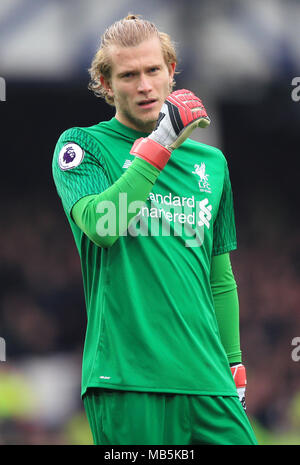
(240, 57)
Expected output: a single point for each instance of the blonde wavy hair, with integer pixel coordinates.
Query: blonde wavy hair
(128, 32)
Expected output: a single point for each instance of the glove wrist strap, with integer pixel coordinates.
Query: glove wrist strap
(239, 375)
(151, 151)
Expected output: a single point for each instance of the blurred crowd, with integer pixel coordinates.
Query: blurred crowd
(42, 319)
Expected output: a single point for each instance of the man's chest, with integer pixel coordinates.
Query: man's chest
(184, 199)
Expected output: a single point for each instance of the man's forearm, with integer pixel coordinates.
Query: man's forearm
(227, 312)
(135, 185)
(226, 304)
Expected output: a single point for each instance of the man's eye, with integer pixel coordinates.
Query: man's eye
(127, 75)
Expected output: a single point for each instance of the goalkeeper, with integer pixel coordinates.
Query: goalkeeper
(151, 212)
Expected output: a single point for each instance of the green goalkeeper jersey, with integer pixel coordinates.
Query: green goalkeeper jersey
(151, 324)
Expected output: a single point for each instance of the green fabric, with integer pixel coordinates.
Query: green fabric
(127, 418)
(223, 283)
(151, 322)
(226, 305)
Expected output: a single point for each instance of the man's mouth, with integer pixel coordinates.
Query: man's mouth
(147, 103)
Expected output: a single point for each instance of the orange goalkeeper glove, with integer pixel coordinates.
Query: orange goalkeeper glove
(180, 114)
(239, 375)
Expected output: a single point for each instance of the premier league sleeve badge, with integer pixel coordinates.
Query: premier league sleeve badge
(70, 156)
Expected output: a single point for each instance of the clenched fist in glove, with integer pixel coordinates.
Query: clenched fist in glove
(239, 375)
(180, 114)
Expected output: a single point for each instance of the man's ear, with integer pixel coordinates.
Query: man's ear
(172, 67)
(106, 84)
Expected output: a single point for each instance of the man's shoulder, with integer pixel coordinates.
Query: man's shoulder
(209, 150)
(78, 132)
(87, 137)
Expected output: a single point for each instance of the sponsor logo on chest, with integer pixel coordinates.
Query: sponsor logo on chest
(188, 212)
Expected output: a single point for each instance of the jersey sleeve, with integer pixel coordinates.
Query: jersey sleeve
(226, 304)
(224, 225)
(78, 168)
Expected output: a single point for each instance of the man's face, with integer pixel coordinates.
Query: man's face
(140, 82)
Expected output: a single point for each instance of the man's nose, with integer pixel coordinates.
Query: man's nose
(144, 84)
